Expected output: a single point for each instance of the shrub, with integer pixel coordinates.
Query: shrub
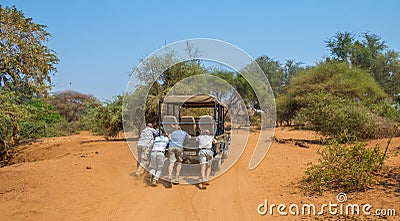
(286, 109)
(386, 110)
(38, 129)
(42, 120)
(337, 79)
(343, 167)
(334, 116)
(107, 119)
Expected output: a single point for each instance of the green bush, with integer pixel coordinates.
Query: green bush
(42, 120)
(32, 129)
(386, 110)
(106, 119)
(344, 168)
(334, 116)
(337, 79)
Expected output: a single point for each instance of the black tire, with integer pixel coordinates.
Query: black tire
(216, 163)
(225, 151)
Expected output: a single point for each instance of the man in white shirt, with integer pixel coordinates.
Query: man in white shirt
(157, 158)
(144, 145)
(205, 156)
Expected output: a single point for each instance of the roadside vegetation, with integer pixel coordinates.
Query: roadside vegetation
(344, 167)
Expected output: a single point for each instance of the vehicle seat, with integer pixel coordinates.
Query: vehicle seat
(206, 122)
(169, 123)
(188, 124)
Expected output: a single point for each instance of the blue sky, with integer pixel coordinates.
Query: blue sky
(100, 42)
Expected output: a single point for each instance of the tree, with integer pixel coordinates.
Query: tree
(291, 68)
(25, 60)
(106, 119)
(71, 104)
(333, 78)
(239, 83)
(180, 71)
(341, 46)
(371, 54)
(337, 79)
(333, 99)
(275, 73)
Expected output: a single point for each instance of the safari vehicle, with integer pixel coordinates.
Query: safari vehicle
(194, 114)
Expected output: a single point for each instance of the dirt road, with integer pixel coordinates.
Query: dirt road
(71, 180)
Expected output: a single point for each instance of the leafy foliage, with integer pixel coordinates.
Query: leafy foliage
(286, 109)
(385, 110)
(278, 74)
(333, 98)
(25, 60)
(336, 116)
(371, 54)
(337, 79)
(71, 104)
(36, 118)
(344, 168)
(106, 119)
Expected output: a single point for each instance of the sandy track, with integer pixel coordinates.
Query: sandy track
(93, 181)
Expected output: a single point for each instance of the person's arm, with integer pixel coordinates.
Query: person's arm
(155, 132)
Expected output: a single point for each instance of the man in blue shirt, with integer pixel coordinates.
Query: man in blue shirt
(175, 152)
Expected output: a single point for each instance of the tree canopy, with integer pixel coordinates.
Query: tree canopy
(337, 79)
(72, 104)
(371, 54)
(26, 62)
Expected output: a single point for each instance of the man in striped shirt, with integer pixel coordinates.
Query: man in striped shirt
(157, 158)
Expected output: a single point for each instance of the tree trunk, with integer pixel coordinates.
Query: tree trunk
(4, 154)
(16, 133)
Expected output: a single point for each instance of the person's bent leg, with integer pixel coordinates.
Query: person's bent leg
(203, 171)
(159, 166)
(179, 158)
(170, 169)
(146, 158)
(140, 165)
(209, 164)
(172, 160)
(153, 161)
(178, 170)
(139, 156)
(208, 172)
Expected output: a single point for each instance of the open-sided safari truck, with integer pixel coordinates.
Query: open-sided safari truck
(194, 114)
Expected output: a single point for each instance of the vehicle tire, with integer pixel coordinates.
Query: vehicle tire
(225, 151)
(216, 164)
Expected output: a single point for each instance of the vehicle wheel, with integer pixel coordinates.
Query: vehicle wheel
(225, 152)
(216, 164)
